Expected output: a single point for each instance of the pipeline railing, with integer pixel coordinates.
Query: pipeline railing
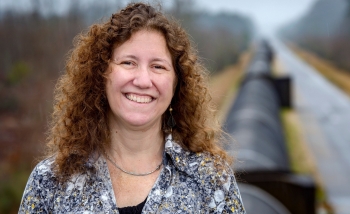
(262, 159)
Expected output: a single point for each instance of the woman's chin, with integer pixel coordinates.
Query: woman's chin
(142, 122)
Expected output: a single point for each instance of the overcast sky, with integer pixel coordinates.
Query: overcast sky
(266, 13)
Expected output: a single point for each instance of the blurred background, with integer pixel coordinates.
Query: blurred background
(309, 41)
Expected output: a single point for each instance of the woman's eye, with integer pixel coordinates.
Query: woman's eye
(126, 63)
(159, 67)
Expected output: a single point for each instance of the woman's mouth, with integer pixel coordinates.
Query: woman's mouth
(139, 98)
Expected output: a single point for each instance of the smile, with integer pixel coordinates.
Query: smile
(138, 98)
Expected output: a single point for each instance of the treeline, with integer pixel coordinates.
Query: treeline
(324, 30)
(33, 48)
(219, 38)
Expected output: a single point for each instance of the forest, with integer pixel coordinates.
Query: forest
(324, 30)
(34, 45)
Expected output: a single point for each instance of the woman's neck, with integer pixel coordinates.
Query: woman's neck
(136, 150)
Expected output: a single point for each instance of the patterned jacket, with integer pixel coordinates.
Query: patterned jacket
(188, 183)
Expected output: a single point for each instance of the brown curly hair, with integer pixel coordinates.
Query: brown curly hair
(79, 124)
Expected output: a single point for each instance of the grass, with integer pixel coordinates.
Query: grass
(300, 160)
(12, 185)
(334, 74)
(224, 85)
(299, 154)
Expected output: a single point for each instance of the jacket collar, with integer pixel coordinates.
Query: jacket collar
(184, 160)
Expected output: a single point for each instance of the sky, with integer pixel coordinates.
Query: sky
(267, 14)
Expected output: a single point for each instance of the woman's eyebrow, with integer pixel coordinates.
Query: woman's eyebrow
(126, 56)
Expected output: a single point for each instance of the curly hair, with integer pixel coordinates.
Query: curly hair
(79, 125)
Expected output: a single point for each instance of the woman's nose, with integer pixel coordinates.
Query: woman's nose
(143, 78)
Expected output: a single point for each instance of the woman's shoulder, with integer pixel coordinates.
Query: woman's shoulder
(40, 186)
(44, 191)
(43, 172)
(44, 167)
(42, 175)
(211, 168)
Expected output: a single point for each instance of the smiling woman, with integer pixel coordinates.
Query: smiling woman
(141, 81)
(133, 127)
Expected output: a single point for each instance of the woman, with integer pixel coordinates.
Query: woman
(132, 127)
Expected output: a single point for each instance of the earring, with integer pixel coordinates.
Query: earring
(171, 121)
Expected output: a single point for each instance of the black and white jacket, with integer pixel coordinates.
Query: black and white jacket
(188, 183)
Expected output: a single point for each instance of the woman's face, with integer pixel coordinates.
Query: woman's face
(141, 81)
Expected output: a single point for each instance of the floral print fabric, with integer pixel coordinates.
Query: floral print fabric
(188, 183)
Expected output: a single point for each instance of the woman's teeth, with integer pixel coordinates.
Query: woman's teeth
(139, 99)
